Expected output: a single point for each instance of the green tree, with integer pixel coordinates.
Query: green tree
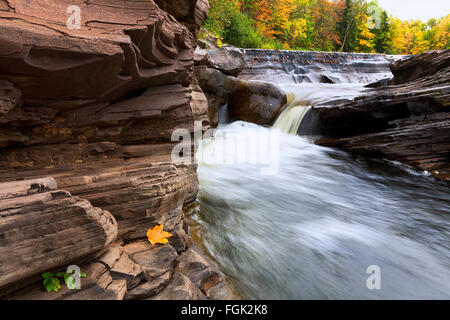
(382, 33)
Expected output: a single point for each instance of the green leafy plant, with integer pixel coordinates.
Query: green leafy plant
(52, 281)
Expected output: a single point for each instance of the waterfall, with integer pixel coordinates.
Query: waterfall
(291, 117)
(224, 117)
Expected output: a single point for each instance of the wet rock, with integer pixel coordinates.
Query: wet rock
(213, 81)
(217, 88)
(198, 270)
(256, 102)
(201, 57)
(407, 122)
(228, 60)
(222, 292)
(379, 84)
(292, 67)
(326, 79)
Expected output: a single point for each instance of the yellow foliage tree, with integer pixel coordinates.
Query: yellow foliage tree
(365, 37)
(442, 34)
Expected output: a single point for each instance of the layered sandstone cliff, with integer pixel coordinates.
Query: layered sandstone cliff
(92, 109)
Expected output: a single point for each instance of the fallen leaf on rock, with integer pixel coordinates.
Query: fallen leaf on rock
(158, 235)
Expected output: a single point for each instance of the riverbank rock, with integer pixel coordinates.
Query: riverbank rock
(94, 107)
(204, 275)
(217, 88)
(407, 122)
(256, 102)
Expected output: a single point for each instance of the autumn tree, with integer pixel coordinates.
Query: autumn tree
(441, 34)
(325, 14)
(263, 17)
(364, 37)
(327, 25)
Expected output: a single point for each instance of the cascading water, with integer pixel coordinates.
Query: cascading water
(312, 229)
(290, 119)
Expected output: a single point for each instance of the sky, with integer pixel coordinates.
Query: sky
(416, 9)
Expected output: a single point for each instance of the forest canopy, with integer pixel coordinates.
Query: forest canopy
(323, 25)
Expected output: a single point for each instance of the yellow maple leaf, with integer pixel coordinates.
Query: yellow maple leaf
(158, 235)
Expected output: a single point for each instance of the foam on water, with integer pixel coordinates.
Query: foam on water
(311, 230)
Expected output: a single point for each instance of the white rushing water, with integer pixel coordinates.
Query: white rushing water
(301, 97)
(312, 228)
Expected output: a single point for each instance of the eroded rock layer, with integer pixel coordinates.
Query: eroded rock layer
(407, 121)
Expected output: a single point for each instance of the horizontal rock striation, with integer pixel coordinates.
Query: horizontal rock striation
(94, 107)
(219, 70)
(139, 271)
(407, 122)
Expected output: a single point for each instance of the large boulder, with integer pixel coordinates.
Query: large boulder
(257, 102)
(213, 81)
(217, 87)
